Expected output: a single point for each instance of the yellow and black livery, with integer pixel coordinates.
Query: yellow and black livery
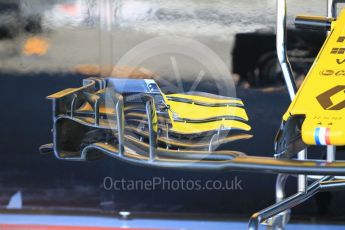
(316, 116)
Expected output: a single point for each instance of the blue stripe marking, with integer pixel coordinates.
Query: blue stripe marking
(317, 136)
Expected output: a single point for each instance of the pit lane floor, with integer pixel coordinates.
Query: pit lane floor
(62, 222)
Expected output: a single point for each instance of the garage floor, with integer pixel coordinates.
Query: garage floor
(60, 222)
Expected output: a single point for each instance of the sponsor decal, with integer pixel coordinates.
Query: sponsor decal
(331, 72)
(341, 39)
(338, 50)
(325, 99)
(340, 61)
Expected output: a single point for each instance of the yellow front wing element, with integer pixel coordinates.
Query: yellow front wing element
(206, 98)
(321, 98)
(192, 114)
(195, 128)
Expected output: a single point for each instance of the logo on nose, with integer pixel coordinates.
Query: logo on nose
(333, 99)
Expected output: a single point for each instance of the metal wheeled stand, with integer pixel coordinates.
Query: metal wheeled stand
(278, 215)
